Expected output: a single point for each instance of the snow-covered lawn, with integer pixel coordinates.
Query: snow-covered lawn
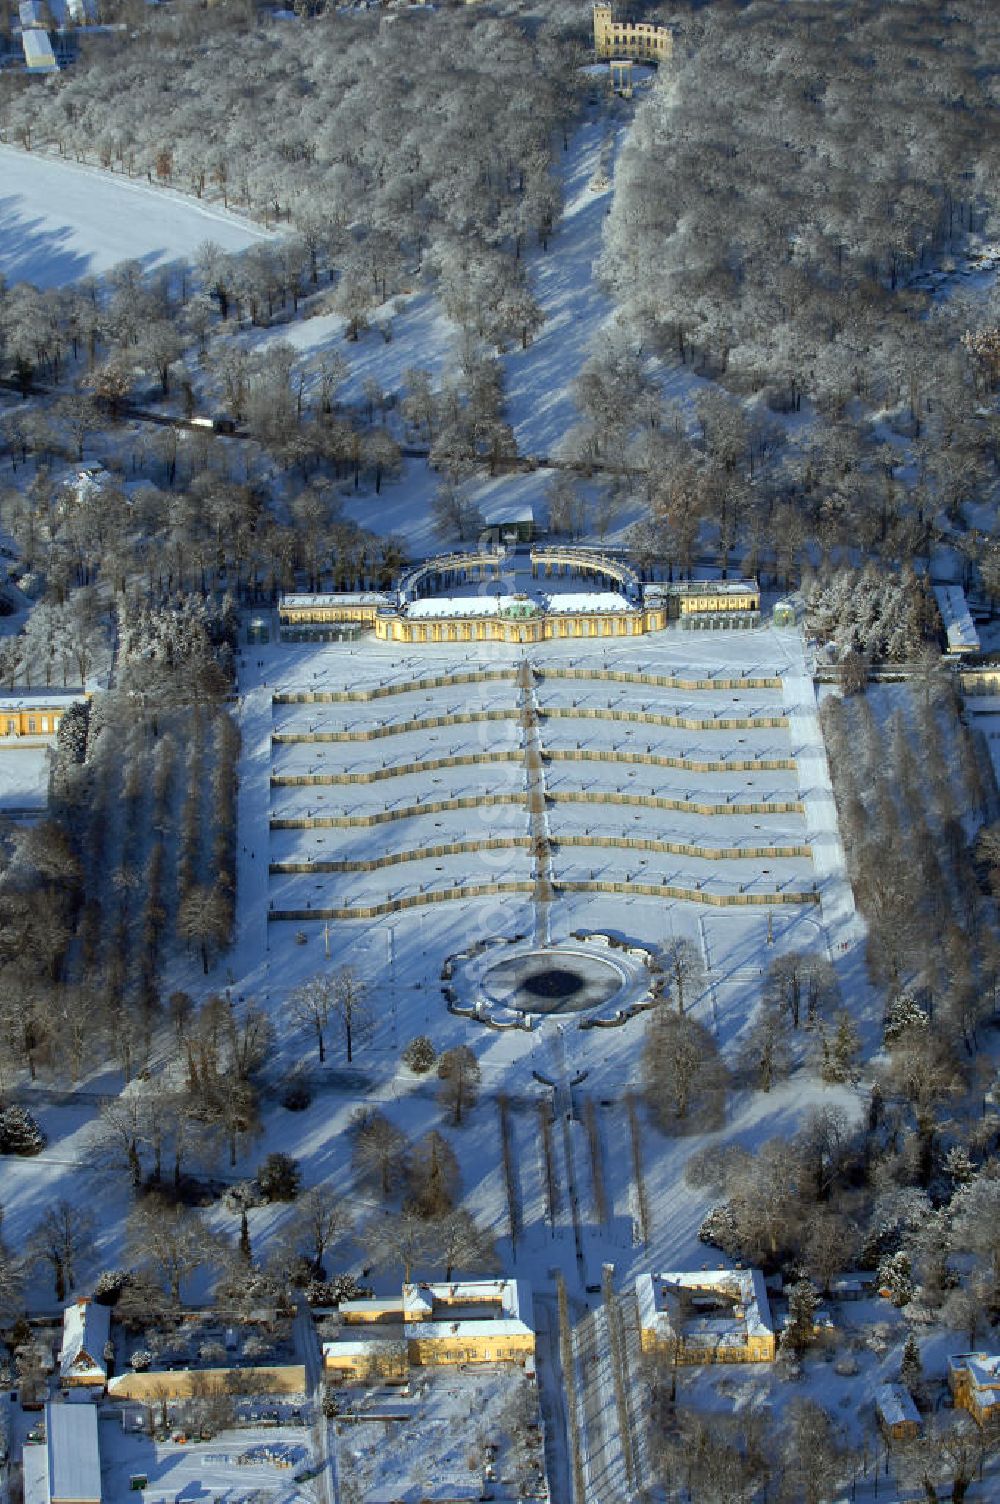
(401, 956)
(443, 1435)
(234, 1464)
(60, 221)
(24, 776)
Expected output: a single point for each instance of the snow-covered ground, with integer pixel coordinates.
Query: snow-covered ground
(234, 1464)
(401, 956)
(24, 777)
(60, 221)
(539, 380)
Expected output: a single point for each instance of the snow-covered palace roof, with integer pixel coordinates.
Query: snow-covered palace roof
(983, 1370)
(502, 1303)
(473, 1308)
(86, 1329)
(41, 699)
(736, 1307)
(319, 600)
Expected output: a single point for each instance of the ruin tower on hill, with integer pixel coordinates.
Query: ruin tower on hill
(642, 41)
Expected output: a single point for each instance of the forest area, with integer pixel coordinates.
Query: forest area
(779, 248)
(781, 388)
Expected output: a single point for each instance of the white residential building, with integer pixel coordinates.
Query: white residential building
(86, 1331)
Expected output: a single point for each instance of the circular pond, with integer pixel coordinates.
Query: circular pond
(555, 981)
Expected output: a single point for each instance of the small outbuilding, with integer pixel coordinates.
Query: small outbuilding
(956, 619)
(898, 1417)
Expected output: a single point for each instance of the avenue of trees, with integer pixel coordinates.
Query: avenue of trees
(136, 859)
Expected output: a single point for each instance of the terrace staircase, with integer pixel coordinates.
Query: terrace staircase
(535, 801)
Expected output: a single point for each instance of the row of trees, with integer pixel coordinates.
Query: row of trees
(909, 855)
(138, 855)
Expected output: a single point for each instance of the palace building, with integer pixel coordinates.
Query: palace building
(720, 1316)
(476, 1321)
(520, 596)
(34, 714)
(974, 1380)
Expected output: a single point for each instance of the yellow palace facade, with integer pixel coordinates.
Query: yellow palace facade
(490, 596)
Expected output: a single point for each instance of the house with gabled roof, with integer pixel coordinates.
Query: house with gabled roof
(86, 1331)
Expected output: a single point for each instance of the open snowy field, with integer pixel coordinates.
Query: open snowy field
(24, 777)
(233, 1465)
(60, 221)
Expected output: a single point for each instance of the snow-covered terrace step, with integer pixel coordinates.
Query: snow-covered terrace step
(287, 773)
(754, 898)
(375, 730)
(400, 770)
(676, 714)
(423, 875)
(662, 681)
(739, 852)
(297, 845)
(311, 818)
(398, 687)
(587, 820)
(383, 816)
(394, 858)
(727, 786)
(546, 673)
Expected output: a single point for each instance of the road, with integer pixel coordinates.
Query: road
(308, 1345)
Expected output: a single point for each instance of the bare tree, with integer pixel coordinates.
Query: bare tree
(310, 1006)
(397, 1239)
(171, 1241)
(61, 1238)
(683, 965)
(120, 1131)
(683, 1071)
(460, 1243)
(380, 1149)
(321, 1220)
(952, 1451)
(460, 1075)
(350, 1003)
(800, 981)
(433, 1176)
(203, 920)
